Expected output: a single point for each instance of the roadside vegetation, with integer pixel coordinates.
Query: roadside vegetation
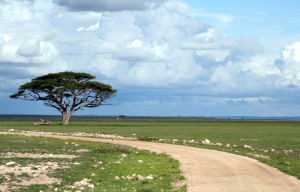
(42, 164)
(276, 143)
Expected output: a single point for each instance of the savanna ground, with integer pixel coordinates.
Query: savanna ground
(276, 143)
(42, 164)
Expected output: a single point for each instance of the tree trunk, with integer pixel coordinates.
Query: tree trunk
(66, 117)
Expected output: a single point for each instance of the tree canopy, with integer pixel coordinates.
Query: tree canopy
(66, 91)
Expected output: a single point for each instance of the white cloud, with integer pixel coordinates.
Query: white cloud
(262, 65)
(135, 44)
(26, 47)
(291, 52)
(223, 18)
(30, 48)
(216, 55)
(289, 65)
(90, 28)
(250, 100)
(6, 37)
(7, 83)
(12, 11)
(162, 47)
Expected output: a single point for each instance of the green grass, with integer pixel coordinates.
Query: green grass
(164, 169)
(261, 135)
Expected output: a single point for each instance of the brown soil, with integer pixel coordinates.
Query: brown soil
(209, 170)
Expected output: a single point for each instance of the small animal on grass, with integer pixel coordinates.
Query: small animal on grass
(42, 122)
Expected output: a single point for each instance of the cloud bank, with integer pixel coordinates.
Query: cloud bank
(163, 48)
(106, 5)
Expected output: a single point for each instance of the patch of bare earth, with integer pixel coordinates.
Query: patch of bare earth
(82, 151)
(242, 139)
(17, 176)
(36, 156)
(178, 184)
(81, 185)
(36, 174)
(79, 134)
(259, 156)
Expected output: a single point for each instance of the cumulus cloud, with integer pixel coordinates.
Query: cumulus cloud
(25, 47)
(148, 51)
(167, 47)
(90, 28)
(160, 47)
(163, 47)
(289, 65)
(249, 100)
(106, 5)
(30, 48)
(291, 52)
(225, 19)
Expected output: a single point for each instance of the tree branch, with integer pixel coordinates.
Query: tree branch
(54, 106)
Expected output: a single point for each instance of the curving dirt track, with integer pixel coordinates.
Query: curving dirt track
(209, 170)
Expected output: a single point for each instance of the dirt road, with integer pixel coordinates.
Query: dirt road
(209, 170)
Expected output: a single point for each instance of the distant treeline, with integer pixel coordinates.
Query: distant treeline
(95, 117)
(52, 117)
(120, 117)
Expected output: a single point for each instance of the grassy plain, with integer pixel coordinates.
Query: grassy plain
(276, 143)
(95, 167)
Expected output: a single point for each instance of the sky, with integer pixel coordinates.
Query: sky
(165, 57)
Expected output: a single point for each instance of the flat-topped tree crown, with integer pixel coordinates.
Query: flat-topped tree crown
(66, 91)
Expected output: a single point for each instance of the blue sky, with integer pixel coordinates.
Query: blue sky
(165, 57)
(275, 23)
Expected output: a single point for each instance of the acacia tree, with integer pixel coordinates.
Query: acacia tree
(66, 91)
